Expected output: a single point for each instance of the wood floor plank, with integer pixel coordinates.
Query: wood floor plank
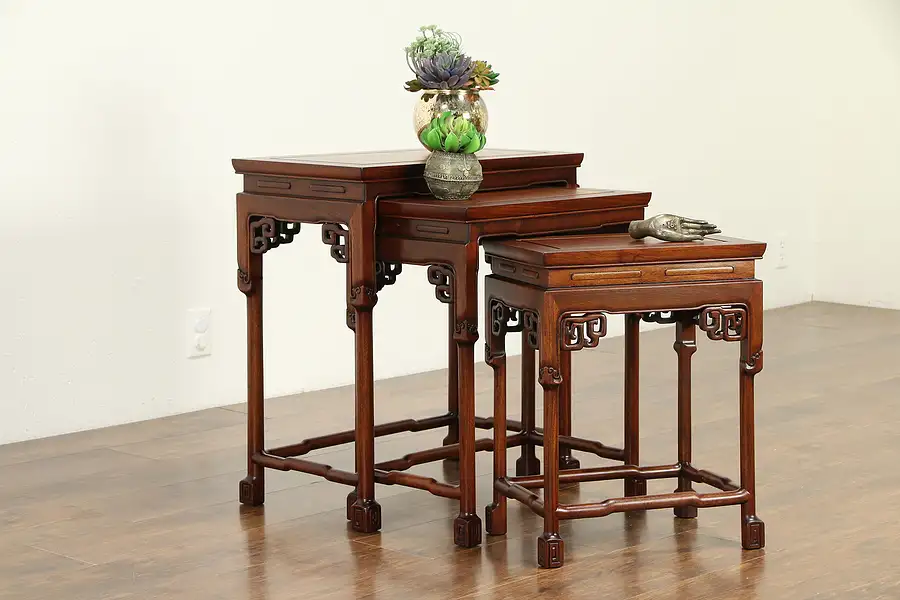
(149, 510)
(61, 445)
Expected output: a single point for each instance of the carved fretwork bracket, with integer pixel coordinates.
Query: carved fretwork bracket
(441, 277)
(509, 319)
(530, 328)
(583, 331)
(351, 318)
(549, 377)
(723, 322)
(504, 319)
(753, 364)
(335, 235)
(386, 273)
(267, 233)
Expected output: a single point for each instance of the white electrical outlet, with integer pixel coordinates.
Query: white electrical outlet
(198, 337)
(782, 250)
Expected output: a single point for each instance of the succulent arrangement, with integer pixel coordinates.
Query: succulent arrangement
(447, 133)
(452, 125)
(436, 59)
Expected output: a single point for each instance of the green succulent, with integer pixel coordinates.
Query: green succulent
(483, 76)
(447, 133)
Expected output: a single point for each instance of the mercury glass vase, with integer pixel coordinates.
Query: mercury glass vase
(465, 103)
(452, 176)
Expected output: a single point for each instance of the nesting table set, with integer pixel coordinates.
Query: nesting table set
(376, 215)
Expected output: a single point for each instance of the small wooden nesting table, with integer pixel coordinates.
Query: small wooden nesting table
(376, 216)
(564, 288)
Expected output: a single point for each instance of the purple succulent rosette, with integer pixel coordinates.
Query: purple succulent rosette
(444, 71)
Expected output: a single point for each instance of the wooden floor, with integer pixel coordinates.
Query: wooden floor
(150, 510)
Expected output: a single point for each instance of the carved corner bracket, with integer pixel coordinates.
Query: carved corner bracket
(510, 319)
(386, 273)
(504, 318)
(723, 322)
(530, 328)
(336, 236)
(583, 331)
(441, 277)
(267, 233)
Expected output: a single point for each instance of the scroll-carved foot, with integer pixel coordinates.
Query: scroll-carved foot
(252, 491)
(528, 464)
(551, 551)
(351, 500)
(686, 512)
(366, 516)
(753, 533)
(635, 487)
(495, 520)
(467, 531)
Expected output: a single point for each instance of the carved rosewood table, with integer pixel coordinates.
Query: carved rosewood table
(565, 287)
(363, 202)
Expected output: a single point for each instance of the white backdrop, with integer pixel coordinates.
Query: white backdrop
(858, 213)
(119, 121)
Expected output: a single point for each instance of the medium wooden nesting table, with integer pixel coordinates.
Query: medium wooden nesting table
(376, 215)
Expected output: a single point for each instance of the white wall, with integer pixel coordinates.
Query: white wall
(119, 120)
(858, 215)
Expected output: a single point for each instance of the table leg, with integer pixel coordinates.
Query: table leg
(252, 487)
(365, 511)
(467, 526)
(685, 346)
(528, 463)
(452, 383)
(753, 530)
(633, 487)
(566, 460)
(550, 546)
(495, 356)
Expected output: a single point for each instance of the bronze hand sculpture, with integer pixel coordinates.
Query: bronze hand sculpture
(672, 228)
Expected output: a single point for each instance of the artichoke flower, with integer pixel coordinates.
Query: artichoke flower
(442, 72)
(447, 133)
